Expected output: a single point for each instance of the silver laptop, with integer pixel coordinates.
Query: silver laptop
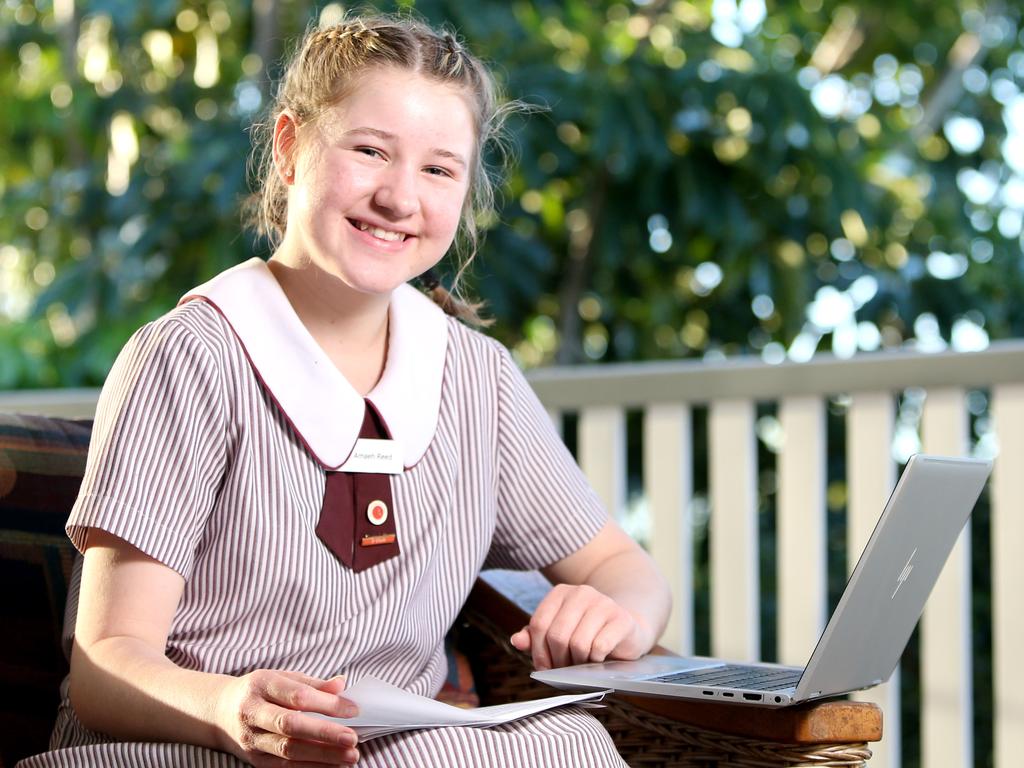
(866, 634)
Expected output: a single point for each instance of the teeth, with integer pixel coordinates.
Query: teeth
(381, 234)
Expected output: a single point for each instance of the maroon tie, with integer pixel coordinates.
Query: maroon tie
(357, 520)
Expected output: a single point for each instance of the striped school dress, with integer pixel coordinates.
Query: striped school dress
(214, 437)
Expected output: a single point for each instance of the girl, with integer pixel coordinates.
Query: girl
(245, 548)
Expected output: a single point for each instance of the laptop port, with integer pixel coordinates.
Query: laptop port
(708, 693)
(752, 696)
(778, 699)
(727, 694)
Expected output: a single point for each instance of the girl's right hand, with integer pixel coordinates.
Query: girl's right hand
(262, 720)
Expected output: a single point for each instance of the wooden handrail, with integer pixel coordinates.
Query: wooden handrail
(508, 598)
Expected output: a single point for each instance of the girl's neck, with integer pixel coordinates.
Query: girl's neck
(351, 327)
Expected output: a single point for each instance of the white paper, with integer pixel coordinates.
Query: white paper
(385, 708)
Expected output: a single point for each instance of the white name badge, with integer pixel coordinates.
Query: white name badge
(380, 457)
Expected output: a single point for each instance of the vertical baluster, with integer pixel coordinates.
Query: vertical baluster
(668, 482)
(801, 528)
(870, 478)
(946, 675)
(735, 626)
(1008, 573)
(556, 420)
(602, 454)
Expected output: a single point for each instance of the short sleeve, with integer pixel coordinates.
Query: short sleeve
(546, 508)
(157, 454)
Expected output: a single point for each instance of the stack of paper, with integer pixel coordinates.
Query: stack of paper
(384, 709)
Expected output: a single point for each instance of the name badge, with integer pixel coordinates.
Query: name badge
(380, 457)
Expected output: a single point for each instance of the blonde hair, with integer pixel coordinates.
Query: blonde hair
(326, 67)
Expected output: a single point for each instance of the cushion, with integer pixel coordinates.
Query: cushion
(41, 465)
(459, 689)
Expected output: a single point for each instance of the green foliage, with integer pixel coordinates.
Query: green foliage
(652, 122)
(680, 194)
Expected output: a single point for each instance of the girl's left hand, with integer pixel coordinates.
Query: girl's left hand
(578, 624)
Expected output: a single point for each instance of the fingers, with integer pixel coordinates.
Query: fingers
(300, 677)
(270, 761)
(299, 752)
(335, 685)
(521, 639)
(275, 725)
(581, 644)
(540, 624)
(279, 721)
(574, 625)
(299, 692)
(555, 626)
(612, 638)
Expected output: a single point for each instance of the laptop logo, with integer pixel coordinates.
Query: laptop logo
(904, 574)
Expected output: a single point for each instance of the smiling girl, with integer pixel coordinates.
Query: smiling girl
(244, 552)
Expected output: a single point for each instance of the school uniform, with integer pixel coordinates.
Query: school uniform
(218, 439)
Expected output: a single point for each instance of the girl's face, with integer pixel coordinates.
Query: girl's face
(380, 181)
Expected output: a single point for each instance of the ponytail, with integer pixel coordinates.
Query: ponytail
(451, 303)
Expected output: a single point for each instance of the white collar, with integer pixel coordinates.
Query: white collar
(323, 408)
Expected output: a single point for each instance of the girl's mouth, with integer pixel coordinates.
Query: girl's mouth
(377, 232)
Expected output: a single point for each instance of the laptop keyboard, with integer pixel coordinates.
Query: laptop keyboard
(735, 676)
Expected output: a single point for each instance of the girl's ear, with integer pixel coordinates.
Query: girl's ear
(285, 142)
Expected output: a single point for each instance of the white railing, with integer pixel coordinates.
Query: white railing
(867, 388)
(868, 391)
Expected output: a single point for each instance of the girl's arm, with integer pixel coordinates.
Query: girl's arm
(123, 685)
(610, 601)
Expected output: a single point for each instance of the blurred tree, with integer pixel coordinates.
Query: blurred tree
(726, 177)
(707, 177)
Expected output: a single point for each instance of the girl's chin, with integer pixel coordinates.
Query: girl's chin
(371, 277)
(374, 285)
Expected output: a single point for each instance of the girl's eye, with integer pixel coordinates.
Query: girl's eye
(369, 151)
(434, 170)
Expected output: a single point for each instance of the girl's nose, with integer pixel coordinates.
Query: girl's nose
(397, 193)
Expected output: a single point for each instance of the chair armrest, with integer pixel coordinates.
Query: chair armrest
(662, 731)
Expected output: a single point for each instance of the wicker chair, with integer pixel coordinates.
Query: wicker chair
(660, 732)
(41, 463)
